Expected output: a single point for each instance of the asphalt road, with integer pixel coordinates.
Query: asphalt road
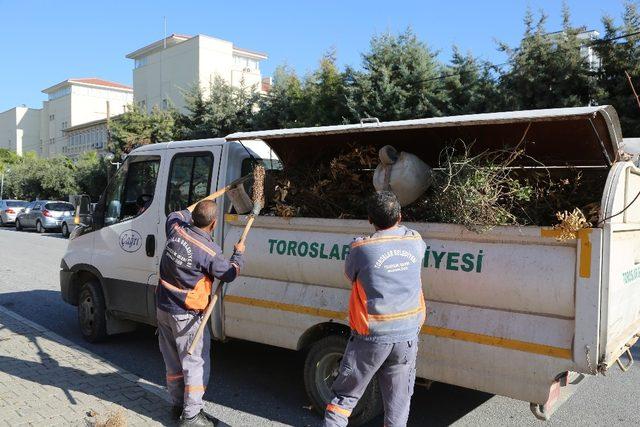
(254, 384)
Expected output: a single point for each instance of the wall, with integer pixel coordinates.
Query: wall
(166, 75)
(19, 130)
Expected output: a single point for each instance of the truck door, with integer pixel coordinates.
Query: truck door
(126, 246)
(192, 175)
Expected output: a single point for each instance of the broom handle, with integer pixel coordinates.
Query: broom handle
(214, 298)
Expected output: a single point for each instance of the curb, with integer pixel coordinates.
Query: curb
(146, 385)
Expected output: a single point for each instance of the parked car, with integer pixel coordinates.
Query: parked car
(9, 209)
(69, 221)
(43, 215)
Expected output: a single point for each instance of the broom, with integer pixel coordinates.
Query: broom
(257, 198)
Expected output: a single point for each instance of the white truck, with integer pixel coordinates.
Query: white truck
(513, 311)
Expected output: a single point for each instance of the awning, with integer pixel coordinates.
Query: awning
(584, 136)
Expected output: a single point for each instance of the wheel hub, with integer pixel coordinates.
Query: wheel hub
(87, 315)
(327, 370)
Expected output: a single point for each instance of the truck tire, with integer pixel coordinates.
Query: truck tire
(92, 312)
(321, 368)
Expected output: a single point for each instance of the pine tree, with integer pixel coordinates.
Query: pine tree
(619, 51)
(401, 79)
(547, 70)
(470, 85)
(284, 105)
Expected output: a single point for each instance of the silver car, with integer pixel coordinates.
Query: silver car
(43, 215)
(69, 221)
(9, 210)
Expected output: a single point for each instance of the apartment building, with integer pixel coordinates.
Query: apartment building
(20, 129)
(74, 102)
(166, 69)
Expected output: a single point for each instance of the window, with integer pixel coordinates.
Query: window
(141, 62)
(189, 180)
(132, 189)
(52, 117)
(165, 104)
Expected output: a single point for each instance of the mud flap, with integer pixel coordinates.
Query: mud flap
(561, 389)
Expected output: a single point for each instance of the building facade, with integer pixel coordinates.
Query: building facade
(165, 70)
(90, 136)
(20, 129)
(74, 102)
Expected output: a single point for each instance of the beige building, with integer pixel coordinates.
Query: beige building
(74, 102)
(20, 130)
(165, 70)
(90, 136)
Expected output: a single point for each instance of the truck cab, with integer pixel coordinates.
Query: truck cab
(110, 270)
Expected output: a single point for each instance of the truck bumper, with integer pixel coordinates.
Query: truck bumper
(66, 276)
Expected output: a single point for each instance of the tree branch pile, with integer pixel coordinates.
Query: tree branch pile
(478, 191)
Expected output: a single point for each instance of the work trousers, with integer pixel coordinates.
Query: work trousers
(396, 367)
(187, 375)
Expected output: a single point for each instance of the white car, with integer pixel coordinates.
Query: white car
(9, 209)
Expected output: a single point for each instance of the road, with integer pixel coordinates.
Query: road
(254, 384)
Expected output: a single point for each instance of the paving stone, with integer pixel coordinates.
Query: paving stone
(45, 380)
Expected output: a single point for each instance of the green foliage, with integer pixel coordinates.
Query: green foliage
(547, 70)
(401, 79)
(324, 94)
(283, 106)
(470, 85)
(136, 128)
(7, 159)
(90, 174)
(617, 57)
(221, 111)
(34, 177)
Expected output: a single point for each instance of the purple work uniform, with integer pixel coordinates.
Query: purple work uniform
(386, 312)
(189, 263)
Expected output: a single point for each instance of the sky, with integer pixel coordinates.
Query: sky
(46, 42)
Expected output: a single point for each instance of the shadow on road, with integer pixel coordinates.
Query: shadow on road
(253, 378)
(48, 371)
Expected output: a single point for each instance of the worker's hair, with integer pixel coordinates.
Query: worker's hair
(383, 209)
(204, 213)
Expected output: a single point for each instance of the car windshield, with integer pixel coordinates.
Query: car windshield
(16, 204)
(59, 206)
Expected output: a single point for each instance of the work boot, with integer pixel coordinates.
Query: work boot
(199, 420)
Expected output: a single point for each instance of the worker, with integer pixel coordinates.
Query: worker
(190, 262)
(386, 312)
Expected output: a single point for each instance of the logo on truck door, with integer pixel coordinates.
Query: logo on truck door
(130, 241)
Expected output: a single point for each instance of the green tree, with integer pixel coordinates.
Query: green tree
(35, 177)
(136, 128)
(284, 105)
(324, 95)
(401, 79)
(90, 174)
(221, 111)
(547, 70)
(620, 52)
(470, 85)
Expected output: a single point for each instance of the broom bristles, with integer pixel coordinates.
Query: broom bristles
(258, 185)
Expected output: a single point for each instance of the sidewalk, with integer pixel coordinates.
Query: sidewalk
(47, 380)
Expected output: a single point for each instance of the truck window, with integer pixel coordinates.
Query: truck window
(189, 180)
(132, 189)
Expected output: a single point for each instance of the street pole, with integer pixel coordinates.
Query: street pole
(2, 187)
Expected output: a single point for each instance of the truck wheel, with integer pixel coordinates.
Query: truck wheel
(321, 369)
(91, 312)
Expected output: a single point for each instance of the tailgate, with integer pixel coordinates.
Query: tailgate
(620, 308)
